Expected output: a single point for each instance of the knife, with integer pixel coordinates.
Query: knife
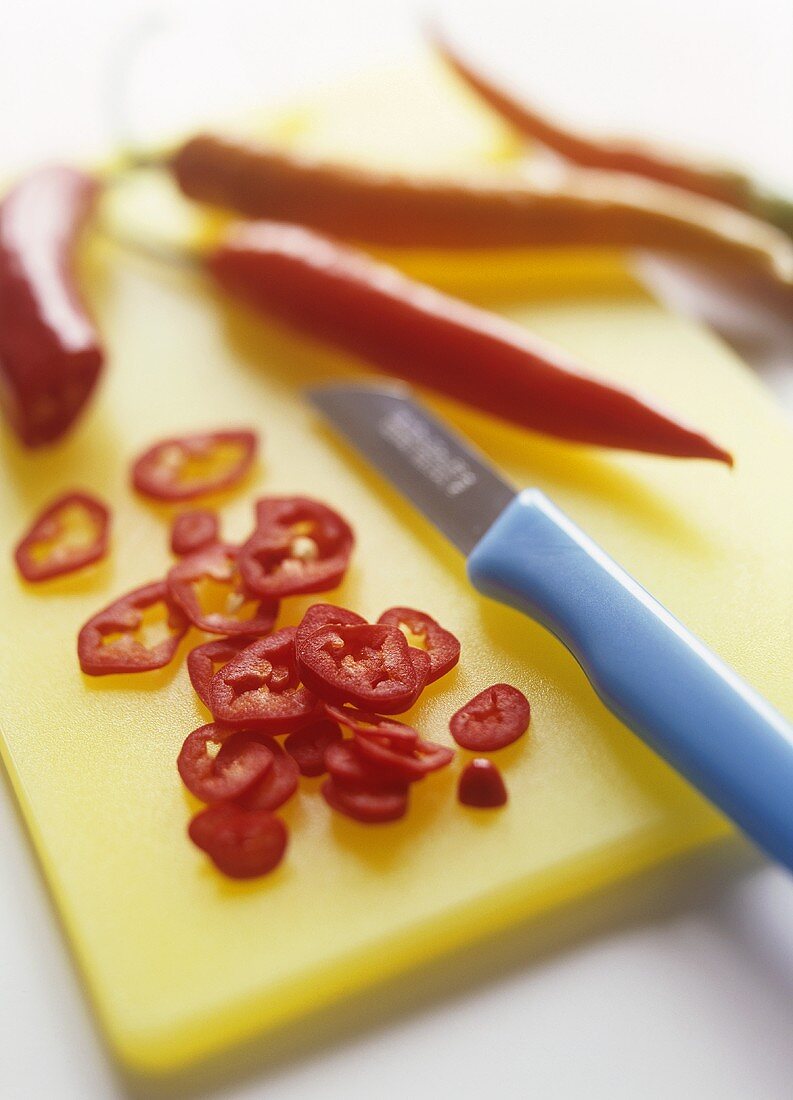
(660, 680)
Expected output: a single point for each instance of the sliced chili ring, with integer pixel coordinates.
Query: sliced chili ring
(236, 764)
(193, 530)
(365, 724)
(370, 807)
(481, 785)
(353, 771)
(299, 545)
(402, 763)
(366, 665)
(204, 660)
(190, 466)
(441, 646)
(260, 687)
(324, 614)
(241, 843)
(278, 784)
(106, 644)
(69, 534)
(215, 568)
(307, 746)
(494, 718)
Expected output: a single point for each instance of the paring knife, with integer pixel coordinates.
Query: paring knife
(660, 680)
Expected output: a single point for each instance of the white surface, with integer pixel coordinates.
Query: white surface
(679, 983)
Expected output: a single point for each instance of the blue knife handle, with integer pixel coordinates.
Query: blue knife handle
(660, 680)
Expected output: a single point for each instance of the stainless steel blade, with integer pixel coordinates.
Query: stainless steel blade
(439, 471)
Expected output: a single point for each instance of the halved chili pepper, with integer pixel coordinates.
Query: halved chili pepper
(585, 208)
(50, 354)
(481, 785)
(191, 466)
(324, 614)
(494, 718)
(307, 746)
(241, 843)
(204, 661)
(208, 588)
(414, 332)
(261, 687)
(299, 545)
(217, 763)
(277, 786)
(441, 646)
(370, 807)
(107, 642)
(69, 534)
(368, 666)
(193, 530)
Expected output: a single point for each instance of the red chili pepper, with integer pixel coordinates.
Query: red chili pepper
(277, 786)
(371, 807)
(404, 762)
(368, 666)
(442, 648)
(241, 843)
(353, 771)
(494, 718)
(236, 763)
(50, 355)
(307, 746)
(414, 332)
(204, 661)
(208, 588)
(324, 614)
(260, 687)
(193, 531)
(69, 534)
(377, 725)
(191, 466)
(299, 545)
(107, 642)
(481, 785)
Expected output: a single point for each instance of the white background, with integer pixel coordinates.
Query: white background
(678, 983)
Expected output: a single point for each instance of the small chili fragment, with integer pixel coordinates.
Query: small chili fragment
(193, 531)
(299, 545)
(260, 687)
(217, 763)
(324, 614)
(107, 642)
(440, 645)
(204, 661)
(208, 588)
(481, 785)
(494, 718)
(69, 534)
(191, 466)
(368, 666)
(277, 786)
(370, 807)
(307, 746)
(241, 843)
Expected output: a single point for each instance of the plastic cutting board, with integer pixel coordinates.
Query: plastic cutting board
(180, 962)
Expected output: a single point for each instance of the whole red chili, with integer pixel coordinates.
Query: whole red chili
(299, 545)
(191, 466)
(442, 648)
(241, 843)
(107, 642)
(50, 355)
(307, 746)
(494, 718)
(417, 333)
(277, 786)
(481, 785)
(204, 660)
(69, 534)
(371, 807)
(207, 586)
(236, 763)
(193, 531)
(260, 687)
(368, 666)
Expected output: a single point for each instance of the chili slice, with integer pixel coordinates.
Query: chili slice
(193, 530)
(374, 725)
(204, 661)
(494, 718)
(277, 786)
(241, 843)
(367, 665)
(106, 644)
(348, 766)
(307, 746)
(324, 614)
(190, 466)
(441, 646)
(235, 765)
(400, 761)
(481, 785)
(69, 534)
(261, 687)
(201, 579)
(370, 807)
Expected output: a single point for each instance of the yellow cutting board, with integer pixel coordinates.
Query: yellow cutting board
(181, 962)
